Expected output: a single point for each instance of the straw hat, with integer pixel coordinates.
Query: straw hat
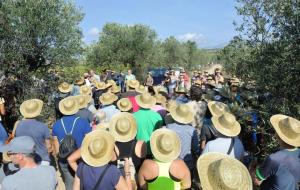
(97, 148)
(108, 98)
(218, 171)
(133, 83)
(83, 100)
(141, 89)
(170, 105)
(64, 87)
(102, 126)
(145, 100)
(226, 124)
(111, 82)
(31, 108)
(217, 108)
(123, 127)
(181, 90)
(79, 81)
(115, 89)
(124, 104)
(165, 145)
(158, 89)
(182, 114)
(68, 105)
(287, 128)
(85, 90)
(100, 85)
(160, 99)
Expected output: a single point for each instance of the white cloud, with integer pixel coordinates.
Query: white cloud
(94, 31)
(194, 37)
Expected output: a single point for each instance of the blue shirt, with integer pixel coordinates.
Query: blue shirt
(81, 128)
(89, 176)
(38, 131)
(189, 142)
(3, 134)
(280, 170)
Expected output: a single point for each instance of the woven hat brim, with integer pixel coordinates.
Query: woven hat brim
(275, 119)
(207, 159)
(180, 119)
(87, 100)
(145, 105)
(133, 85)
(70, 112)
(122, 108)
(155, 150)
(85, 154)
(108, 102)
(216, 112)
(34, 114)
(65, 90)
(85, 92)
(232, 132)
(133, 127)
(102, 126)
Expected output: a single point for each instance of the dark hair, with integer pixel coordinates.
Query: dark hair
(195, 93)
(151, 90)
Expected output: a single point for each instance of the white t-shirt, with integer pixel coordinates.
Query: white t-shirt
(222, 145)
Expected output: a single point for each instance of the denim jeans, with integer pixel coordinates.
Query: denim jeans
(67, 174)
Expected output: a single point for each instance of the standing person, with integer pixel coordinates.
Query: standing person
(76, 87)
(3, 133)
(183, 116)
(87, 78)
(38, 131)
(95, 172)
(67, 128)
(131, 93)
(31, 175)
(218, 171)
(129, 77)
(227, 141)
(171, 82)
(107, 101)
(149, 80)
(147, 120)
(94, 76)
(166, 171)
(281, 170)
(219, 79)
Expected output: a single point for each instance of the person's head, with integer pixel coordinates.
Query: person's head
(92, 73)
(31, 108)
(86, 76)
(20, 150)
(217, 71)
(129, 71)
(196, 93)
(149, 74)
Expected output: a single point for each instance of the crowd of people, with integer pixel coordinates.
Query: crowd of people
(114, 132)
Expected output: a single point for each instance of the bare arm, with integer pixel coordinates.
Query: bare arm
(49, 145)
(76, 184)
(141, 149)
(121, 184)
(72, 159)
(184, 174)
(55, 145)
(2, 108)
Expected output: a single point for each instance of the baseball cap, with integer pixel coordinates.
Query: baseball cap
(22, 144)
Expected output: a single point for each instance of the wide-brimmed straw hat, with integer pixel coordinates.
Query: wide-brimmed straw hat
(217, 108)
(80, 81)
(115, 89)
(124, 104)
(145, 100)
(287, 128)
(160, 99)
(226, 124)
(141, 89)
(83, 100)
(108, 98)
(102, 126)
(123, 127)
(111, 82)
(100, 85)
(133, 83)
(68, 105)
(170, 105)
(31, 108)
(64, 87)
(218, 171)
(85, 90)
(97, 148)
(182, 114)
(165, 145)
(181, 90)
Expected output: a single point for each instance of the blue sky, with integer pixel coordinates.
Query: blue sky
(207, 22)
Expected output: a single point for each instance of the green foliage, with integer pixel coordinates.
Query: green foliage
(268, 52)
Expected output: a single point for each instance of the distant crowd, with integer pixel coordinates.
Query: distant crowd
(112, 131)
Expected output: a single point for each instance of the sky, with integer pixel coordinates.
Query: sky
(207, 22)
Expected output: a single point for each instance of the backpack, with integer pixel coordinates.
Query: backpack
(67, 144)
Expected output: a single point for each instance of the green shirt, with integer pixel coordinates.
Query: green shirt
(147, 121)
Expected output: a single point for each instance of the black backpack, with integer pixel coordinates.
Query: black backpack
(67, 144)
